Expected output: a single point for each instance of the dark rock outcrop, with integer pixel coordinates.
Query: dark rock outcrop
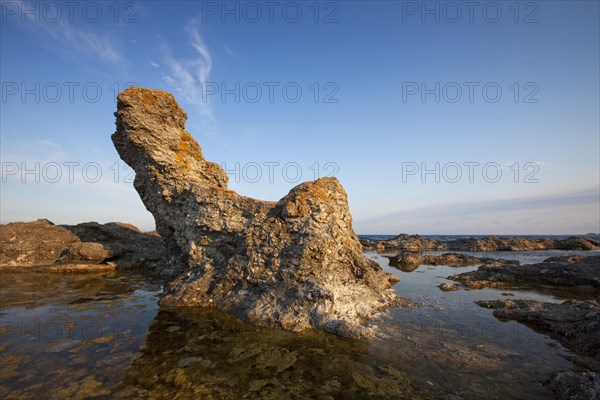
(89, 247)
(572, 272)
(570, 385)
(407, 261)
(576, 324)
(493, 243)
(293, 264)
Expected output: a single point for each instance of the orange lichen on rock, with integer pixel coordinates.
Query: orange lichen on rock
(292, 264)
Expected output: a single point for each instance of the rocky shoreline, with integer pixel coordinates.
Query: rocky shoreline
(576, 325)
(294, 264)
(575, 273)
(41, 246)
(417, 243)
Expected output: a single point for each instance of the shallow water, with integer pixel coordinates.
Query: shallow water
(104, 336)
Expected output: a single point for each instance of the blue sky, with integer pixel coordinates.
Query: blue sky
(498, 104)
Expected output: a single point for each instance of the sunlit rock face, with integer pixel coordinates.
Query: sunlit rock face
(294, 264)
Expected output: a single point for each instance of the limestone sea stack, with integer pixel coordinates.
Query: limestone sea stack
(293, 264)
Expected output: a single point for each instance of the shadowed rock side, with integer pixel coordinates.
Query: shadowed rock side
(295, 263)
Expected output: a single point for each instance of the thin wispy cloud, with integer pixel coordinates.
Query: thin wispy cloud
(66, 36)
(543, 213)
(227, 49)
(186, 76)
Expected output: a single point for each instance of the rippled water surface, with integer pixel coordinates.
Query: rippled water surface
(104, 336)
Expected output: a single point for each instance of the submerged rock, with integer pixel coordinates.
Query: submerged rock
(576, 324)
(293, 264)
(216, 356)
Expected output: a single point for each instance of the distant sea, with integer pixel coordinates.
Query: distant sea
(454, 237)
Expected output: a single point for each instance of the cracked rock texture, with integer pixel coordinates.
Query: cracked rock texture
(294, 264)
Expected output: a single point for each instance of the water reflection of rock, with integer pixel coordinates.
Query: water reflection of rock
(71, 336)
(192, 353)
(38, 289)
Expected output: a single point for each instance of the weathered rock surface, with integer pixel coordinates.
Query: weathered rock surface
(45, 247)
(33, 243)
(572, 272)
(403, 242)
(124, 243)
(293, 264)
(416, 243)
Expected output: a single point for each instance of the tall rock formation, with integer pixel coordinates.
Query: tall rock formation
(294, 264)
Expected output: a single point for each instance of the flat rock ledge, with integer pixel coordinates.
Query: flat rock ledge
(575, 273)
(292, 264)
